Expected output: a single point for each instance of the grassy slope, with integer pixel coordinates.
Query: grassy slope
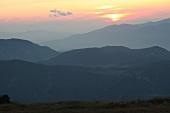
(147, 106)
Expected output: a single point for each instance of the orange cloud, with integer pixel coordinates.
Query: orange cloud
(96, 12)
(143, 14)
(109, 12)
(106, 7)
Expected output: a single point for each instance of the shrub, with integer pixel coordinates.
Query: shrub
(5, 99)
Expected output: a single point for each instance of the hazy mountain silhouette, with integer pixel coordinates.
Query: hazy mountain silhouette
(29, 82)
(24, 50)
(110, 55)
(38, 36)
(133, 36)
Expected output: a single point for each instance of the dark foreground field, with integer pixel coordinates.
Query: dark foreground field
(146, 106)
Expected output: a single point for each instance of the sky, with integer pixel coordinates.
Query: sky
(77, 16)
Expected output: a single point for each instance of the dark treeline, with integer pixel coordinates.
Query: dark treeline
(4, 99)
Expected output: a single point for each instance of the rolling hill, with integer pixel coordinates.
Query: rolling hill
(110, 55)
(24, 50)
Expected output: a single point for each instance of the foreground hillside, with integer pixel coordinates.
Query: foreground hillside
(30, 82)
(159, 105)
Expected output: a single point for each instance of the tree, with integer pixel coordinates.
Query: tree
(4, 99)
(0, 99)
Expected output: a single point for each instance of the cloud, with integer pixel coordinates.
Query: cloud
(9, 19)
(53, 11)
(57, 13)
(110, 12)
(2, 19)
(106, 7)
(61, 13)
(97, 12)
(69, 13)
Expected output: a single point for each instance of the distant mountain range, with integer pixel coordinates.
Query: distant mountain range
(30, 82)
(38, 36)
(133, 36)
(24, 50)
(110, 55)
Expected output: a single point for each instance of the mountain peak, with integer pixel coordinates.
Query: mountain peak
(157, 48)
(164, 21)
(15, 40)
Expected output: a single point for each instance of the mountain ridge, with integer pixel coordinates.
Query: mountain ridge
(110, 55)
(38, 36)
(24, 50)
(133, 36)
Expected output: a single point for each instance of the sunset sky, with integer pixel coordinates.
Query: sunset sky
(77, 15)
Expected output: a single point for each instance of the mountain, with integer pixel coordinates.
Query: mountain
(110, 55)
(24, 50)
(38, 36)
(29, 82)
(133, 36)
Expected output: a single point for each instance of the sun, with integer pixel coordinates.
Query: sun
(114, 17)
